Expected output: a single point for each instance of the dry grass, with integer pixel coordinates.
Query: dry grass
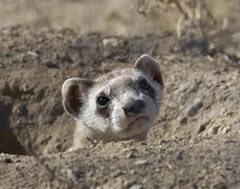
(111, 17)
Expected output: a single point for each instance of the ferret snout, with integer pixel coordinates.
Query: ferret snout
(133, 107)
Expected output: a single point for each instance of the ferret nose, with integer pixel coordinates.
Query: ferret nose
(133, 108)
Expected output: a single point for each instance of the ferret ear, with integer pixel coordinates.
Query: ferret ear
(150, 66)
(73, 90)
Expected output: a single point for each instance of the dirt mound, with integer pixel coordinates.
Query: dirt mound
(194, 143)
(194, 163)
(34, 68)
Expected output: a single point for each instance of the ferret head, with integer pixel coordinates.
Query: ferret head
(119, 105)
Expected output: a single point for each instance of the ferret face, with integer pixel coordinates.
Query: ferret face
(123, 106)
(123, 103)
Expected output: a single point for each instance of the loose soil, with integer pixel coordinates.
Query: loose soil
(194, 144)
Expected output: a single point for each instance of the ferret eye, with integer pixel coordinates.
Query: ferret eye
(102, 100)
(144, 84)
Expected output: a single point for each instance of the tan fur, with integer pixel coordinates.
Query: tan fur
(83, 136)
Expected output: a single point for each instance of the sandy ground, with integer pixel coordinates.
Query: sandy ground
(195, 142)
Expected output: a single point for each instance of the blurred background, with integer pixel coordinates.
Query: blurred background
(112, 17)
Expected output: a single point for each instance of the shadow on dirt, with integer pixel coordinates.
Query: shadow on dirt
(8, 141)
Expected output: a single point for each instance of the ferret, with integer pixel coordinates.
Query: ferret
(120, 105)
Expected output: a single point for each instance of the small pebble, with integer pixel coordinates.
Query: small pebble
(110, 41)
(193, 110)
(213, 130)
(141, 162)
(136, 186)
(131, 155)
(225, 130)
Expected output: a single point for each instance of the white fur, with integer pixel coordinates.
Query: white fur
(117, 126)
(118, 123)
